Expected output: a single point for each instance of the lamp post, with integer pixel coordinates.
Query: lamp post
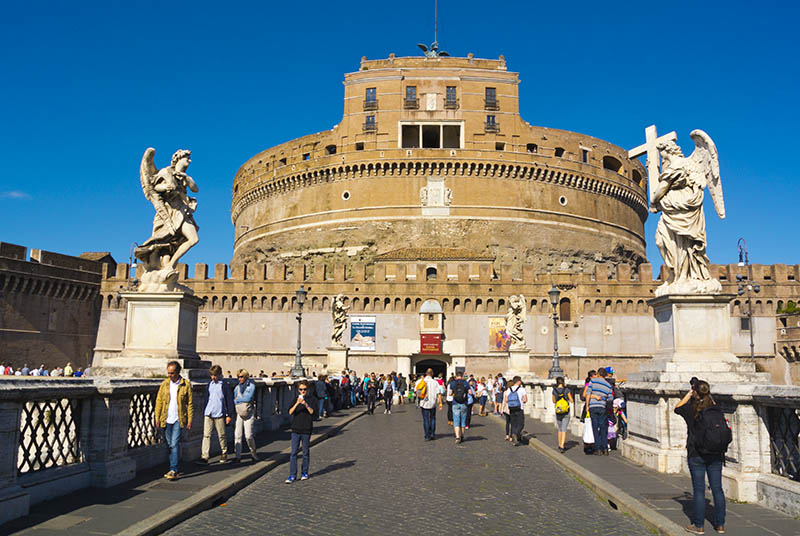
(555, 370)
(744, 260)
(297, 369)
(132, 281)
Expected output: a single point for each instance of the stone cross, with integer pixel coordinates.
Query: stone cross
(653, 158)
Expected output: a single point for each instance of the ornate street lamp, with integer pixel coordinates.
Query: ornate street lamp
(555, 370)
(297, 369)
(744, 260)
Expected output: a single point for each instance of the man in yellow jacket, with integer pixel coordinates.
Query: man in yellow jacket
(174, 410)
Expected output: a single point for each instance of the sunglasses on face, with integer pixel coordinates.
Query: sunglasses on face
(303, 390)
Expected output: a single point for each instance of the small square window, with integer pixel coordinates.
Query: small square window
(282, 161)
(500, 146)
(306, 156)
(360, 146)
(370, 120)
(559, 152)
(744, 323)
(330, 149)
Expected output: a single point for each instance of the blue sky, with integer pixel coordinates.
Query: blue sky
(87, 86)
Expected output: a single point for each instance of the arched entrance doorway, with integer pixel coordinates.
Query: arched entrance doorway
(438, 366)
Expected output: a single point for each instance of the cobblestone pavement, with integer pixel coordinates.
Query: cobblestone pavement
(378, 476)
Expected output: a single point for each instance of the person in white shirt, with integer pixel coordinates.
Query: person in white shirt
(428, 404)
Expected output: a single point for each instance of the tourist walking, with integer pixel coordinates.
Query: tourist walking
(388, 390)
(513, 399)
(218, 412)
(402, 385)
(707, 440)
(372, 394)
(499, 388)
(448, 398)
(600, 395)
(174, 411)
(480, 393)
(243, 399)
(563, 400)
(321, 392)
(588, 433)
(459, 390)
(302, 413)
(429, 397)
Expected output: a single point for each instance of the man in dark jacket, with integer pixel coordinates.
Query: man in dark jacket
(219, 412)
(302, 412)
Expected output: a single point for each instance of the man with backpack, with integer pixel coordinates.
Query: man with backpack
(514, 398)
(460, 390)
(707, 440)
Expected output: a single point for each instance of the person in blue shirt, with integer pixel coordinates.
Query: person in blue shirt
(218, 413)
(243, 398)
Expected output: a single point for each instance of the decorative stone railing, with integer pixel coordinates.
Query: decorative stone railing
(763, 462)
(58, 436)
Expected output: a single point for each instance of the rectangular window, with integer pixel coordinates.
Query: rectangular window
(370, 121)
(451, 136)
(411, 93)
(491, 99)
(451, 93)
(500, 146)
(410, 136)
(306, 156)
(359, 146)
(430, 137)
(491, 119)
(744, 323)
(370, 96)
(584, 155)
(450, 99)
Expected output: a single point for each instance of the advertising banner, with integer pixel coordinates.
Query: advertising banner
(499, 341)
(430, 343)
(362, 333)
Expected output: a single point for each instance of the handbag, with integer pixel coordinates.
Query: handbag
(244, 410)
(588, 432)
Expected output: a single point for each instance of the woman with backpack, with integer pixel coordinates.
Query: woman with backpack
(514, 399)
(563, 399)
(708, 436)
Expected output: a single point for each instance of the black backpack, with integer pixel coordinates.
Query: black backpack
(712, 434)
(460, 391)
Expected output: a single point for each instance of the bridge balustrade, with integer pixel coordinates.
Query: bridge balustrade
(61, 435)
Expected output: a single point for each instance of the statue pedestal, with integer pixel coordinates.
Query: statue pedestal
(693, 338)
(337, 358)
(519, 361)
(160, 327)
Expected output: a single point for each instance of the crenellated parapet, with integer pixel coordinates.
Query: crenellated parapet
(479, 286)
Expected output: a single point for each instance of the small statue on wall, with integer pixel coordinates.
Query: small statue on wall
(339, 315)
(174, 227)
(515, 322)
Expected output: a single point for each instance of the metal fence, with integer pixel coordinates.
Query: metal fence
(50, 434)
(784, 429)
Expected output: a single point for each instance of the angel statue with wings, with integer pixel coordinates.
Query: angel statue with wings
(174, 228)
(681, 231)
(515, 322)
(339, 314)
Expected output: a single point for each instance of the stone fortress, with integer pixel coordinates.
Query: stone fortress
(432, 190)
(429, 205)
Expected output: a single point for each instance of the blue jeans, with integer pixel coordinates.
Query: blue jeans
(172, 433)
(600, 428)
(429, 422)
(459, 415)
(296, 439)
(321, 407)
(698, 468)
(353, 398)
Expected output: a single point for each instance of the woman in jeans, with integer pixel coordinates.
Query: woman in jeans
(700, 465)
(243, 397)
(514, 400)
(388, 393)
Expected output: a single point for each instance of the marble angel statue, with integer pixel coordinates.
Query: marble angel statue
(515, 322)
(174, 227)
(339, 314)
(681, 231)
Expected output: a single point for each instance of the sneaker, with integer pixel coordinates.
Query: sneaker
(304, 476)
(695, 530)
(720, 529)
(223, 458)
(202, 461)
(255, 457)
(171, 475)
(390, 412)
(291, 479)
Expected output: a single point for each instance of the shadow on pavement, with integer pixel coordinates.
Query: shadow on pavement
(334, 467)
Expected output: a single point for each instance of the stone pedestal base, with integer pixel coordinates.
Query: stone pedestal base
(160, 327)
(337, 358)
(693, 338)
(519, 361)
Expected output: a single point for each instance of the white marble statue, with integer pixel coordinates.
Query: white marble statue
(681, 231)
(339, 315)
(174, 227)
(515, 322)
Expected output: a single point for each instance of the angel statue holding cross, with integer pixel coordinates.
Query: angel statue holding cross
(174, 227)
(681, 231)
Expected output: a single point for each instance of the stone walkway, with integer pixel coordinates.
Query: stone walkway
(669, 495)
(378, 476)
(110, 511)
